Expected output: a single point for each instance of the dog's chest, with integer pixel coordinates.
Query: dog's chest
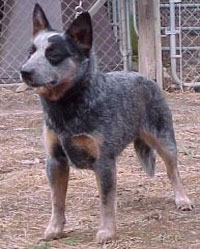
(64, 123)
(69, 119)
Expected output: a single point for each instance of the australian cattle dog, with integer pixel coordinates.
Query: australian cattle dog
(91, 117)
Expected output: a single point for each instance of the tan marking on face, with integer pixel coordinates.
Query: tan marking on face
(87, 143)
(50, 139)
(66, 82)
(54, 93)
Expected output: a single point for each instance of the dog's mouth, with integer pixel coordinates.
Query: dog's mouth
(49, 85)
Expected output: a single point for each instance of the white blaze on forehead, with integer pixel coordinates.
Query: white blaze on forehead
(41, 40)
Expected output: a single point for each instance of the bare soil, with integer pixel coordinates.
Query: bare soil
(146, 213)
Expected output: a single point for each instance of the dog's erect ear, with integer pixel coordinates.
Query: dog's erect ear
(81, 31)
(40, 21)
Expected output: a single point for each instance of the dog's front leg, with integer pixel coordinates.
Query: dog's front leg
(106, 182)
(58, 175)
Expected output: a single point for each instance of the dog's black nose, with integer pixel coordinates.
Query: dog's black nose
(26, 75)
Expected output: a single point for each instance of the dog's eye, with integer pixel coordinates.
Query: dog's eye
(32, 50)
(55, 55)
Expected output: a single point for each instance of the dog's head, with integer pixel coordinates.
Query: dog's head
(57, 59)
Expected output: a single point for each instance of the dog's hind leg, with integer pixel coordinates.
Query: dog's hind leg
(106, 182)
(58, 174)
(165, 145)
(146, 156)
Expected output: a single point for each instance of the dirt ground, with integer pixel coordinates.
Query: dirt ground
(146, 213)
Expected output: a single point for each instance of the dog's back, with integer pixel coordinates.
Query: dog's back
(129, 104)
(126, 107)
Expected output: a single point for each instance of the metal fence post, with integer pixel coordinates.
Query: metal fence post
(99, 3)
(128, 30)
(123, 34)
(180, 21)
(158, 46)
(172, 33)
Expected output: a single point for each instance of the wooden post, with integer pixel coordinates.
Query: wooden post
(158, 45)
(150, 61)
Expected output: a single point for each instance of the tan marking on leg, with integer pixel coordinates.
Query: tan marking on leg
(58, 195)
(59, 182)
(107, 228)
(181, 199)
(88, 143)
(50, 139)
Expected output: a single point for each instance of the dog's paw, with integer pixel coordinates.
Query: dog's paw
(104, 235)
(184, 204)
(52, 233)
(54, 230)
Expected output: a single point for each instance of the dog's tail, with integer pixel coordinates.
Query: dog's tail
(146, 156)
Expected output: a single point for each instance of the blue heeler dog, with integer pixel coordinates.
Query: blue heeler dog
(90, 117)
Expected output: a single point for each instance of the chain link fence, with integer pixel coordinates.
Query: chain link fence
(180, 31)
(180, 21)
(191, 42)
(16, 30)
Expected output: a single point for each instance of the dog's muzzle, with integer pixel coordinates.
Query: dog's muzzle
(28, 76)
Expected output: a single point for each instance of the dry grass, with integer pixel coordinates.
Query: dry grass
(146, 215)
